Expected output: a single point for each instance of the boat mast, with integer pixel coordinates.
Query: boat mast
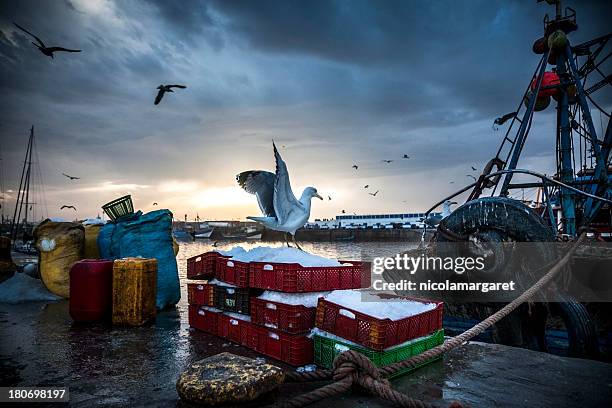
(24, 184)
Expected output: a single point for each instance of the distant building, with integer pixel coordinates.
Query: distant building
(406, 220)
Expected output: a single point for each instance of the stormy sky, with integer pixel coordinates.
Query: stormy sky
(334, 83)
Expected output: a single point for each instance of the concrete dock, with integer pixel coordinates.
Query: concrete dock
(110, 366)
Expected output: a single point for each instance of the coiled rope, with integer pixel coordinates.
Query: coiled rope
(353, 368)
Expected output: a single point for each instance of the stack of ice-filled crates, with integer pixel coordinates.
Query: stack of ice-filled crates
(385, 330)
(273, 308)
(266, 306)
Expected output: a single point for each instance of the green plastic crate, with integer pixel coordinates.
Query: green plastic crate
(326, 350)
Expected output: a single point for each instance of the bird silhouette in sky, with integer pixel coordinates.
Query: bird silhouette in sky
(366, 186)
(329, 197)
(355, 166)
(165, 88)
(68, 206)
(469, 175)
(71, 177)
(388, 161)
(215, 244)
(48, 51)
(406, 156)
(373, 194)
(154, 203)
(343, 211)
(473, 168)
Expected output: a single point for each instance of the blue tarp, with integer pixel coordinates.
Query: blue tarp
(148, 236)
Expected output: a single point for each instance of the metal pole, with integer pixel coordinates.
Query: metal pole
(564, 134)
(520, 137)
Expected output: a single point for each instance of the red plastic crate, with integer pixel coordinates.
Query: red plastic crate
(293, 349)
(293, 319)
(205, 320)
(203, 266)
(373, 333)
(235, 330)
(234, 272)
(200, 294)
(293, 277)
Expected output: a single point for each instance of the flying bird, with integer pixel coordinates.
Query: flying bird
(215, 244)
(154, 203)
(281, 210)
(68, 206)
(355, 166)
(504, 118)
(343, 211)
(373, 194)
(366, 186)
(48, 51)
(469, 175)
(165, 88)
(329, 198)
(388, 161)
(71, 177)
(473, 168)
(406, 156)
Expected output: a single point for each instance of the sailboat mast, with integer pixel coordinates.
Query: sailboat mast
(20, 193)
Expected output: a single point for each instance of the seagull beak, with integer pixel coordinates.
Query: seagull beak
(318, 196)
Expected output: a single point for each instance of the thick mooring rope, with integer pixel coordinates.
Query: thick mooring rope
(353, 368)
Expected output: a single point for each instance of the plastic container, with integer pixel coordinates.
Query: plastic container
(293, 319)
(119, 208)
(91, 290)
(326, 350)
(134, 291)
(373, 333)
(289, 348)
(236, 330)
(200, 293)
(203, 266)
(236, 300)
(234, 272)
(204, 319)
(293, 277)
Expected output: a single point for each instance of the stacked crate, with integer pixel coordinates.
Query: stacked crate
(384, 341)
(229, 305)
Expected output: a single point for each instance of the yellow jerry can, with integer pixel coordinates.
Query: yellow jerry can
(134, 291)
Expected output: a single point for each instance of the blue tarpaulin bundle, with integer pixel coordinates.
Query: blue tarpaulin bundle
(148, 236)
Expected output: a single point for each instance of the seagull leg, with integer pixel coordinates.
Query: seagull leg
(287, 241)
(296, 244)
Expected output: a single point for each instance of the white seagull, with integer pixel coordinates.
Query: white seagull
(282, 211)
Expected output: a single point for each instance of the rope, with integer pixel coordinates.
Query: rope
(351, 367)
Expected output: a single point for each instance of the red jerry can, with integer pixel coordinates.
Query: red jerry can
(91, 290)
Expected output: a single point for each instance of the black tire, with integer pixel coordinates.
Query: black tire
(581, 331)
(500, 219)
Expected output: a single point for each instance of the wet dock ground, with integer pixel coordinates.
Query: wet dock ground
(109, 366)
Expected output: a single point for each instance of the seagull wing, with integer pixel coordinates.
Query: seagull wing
(159, 96)
(42, 44)
(54, 49)
(177, 86)
(284, 200)
(260, 183)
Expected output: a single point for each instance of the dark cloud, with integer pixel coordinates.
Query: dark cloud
(341, 81)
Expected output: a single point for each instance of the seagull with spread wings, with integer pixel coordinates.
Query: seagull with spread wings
(165, 88)
(373, 194)
(68, 206)
(281, 210)
(71, 177)
(48, 51)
